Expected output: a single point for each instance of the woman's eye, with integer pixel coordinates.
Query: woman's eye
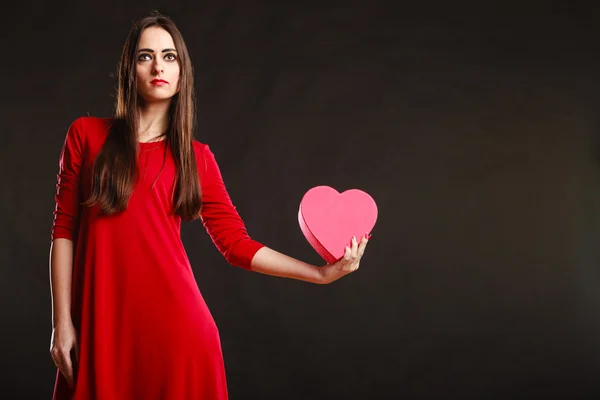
(144, 57)
(170, 57)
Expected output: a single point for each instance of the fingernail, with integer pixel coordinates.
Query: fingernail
(368, 236)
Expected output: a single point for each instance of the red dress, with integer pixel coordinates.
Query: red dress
(144, 330)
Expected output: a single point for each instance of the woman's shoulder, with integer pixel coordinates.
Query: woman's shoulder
(89, 122)
(199, 145)
(91, 128)
(200, 148)
(204, 156)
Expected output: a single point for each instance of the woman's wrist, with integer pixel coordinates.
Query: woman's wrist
(63, 319)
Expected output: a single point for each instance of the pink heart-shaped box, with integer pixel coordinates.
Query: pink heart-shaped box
(329, 219)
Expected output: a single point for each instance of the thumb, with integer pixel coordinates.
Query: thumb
(67, 370)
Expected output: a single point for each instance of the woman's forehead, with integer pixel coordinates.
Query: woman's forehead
(156, 37)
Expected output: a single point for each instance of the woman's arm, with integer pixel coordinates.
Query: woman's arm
(64, 229)
(61, 269)
(228, 232)
(271, 262)
(63, 342)
(219, 216)
(66, 221)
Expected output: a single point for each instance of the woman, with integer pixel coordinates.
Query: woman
(128, 319)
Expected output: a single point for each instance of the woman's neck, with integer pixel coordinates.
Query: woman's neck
(153, 121)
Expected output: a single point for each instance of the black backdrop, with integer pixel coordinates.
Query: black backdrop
(473, 127)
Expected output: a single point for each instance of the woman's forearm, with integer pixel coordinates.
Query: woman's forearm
(270, 262)
(61, 268)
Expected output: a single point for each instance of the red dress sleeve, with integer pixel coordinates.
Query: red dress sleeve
(68, 197)
(219, 215)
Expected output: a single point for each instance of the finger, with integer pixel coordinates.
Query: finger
(342, 264)
(56, 362)
(347, 254)
(363, 244)
(354, 247)
(67, 368)
(56, 358)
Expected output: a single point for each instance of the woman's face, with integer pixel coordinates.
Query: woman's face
(157, 65)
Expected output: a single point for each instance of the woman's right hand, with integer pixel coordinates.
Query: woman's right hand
(62, 344)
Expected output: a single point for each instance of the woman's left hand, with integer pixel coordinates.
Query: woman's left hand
(347, 264)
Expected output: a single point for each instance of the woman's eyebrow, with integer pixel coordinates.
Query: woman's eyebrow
(152, 51)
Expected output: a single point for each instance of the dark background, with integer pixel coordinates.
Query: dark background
(473, 126)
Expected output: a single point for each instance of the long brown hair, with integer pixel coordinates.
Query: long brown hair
(115, 167)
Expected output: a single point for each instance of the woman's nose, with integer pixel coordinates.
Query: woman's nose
(158, 68)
